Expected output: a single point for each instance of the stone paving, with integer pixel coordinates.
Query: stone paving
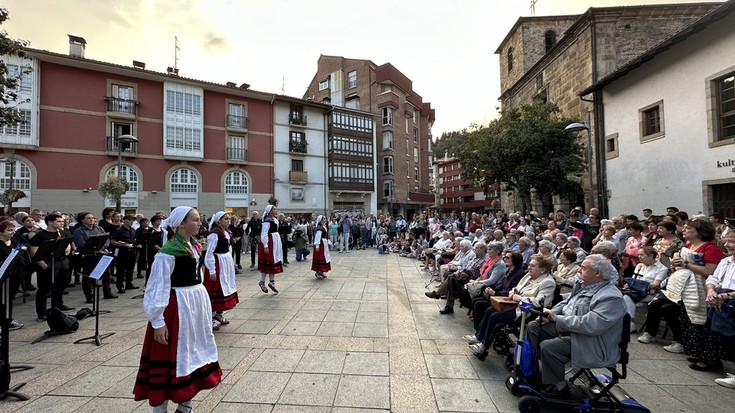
(366, 339)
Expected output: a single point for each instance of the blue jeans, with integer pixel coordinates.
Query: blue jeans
(302, 253)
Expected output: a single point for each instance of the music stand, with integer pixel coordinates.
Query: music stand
(99, 270)
(5, 367)
(51, 249)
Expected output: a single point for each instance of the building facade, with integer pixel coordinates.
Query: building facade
(198, 143)
(554, 58)
(670, 122)
(402, 128)
(458, 194)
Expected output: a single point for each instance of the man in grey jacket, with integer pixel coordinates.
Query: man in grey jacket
(585, 328)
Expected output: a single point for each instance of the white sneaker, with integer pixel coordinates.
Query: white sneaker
(728, 381)
(647, 338)
(674, 347)
(471, 339)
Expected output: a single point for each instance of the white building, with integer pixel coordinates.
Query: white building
(669, 122)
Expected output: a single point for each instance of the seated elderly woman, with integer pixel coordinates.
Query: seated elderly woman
(439, 247)
(535, 286)
(525, 247)
(648, 275)
(575, 244)
(460, 261)
(456, 280)
(584, 328)
(513, 273)
(491, 272)
(568, 268)
(546, 248)
(448, 254)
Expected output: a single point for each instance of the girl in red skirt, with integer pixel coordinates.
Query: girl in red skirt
(321, 262)
(178, 309)
(220, 283)
(270, 250)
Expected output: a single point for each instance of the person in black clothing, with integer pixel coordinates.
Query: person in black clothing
(252, 230)
(155, 242)
(141, 240)
(124, 240)
(47, 281)
(89, 261)
(16, 270)
(284, 230)
(26, 231)
(237, 228)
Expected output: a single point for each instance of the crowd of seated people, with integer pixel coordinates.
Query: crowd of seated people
(670, 267)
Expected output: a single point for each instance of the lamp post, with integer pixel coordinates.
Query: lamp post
(577, 127)
(120, 140)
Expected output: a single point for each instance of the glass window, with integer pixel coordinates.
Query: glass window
(726, 106)
(236, 183)
(387, 116)
(184, 180)
(388, 165)
(352, 79)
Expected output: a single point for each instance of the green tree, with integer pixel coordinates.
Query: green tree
(9, 82)
(525, 148)
(113, 189)
(448, 142)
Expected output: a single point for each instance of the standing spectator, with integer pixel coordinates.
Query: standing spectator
(333, 232)
(237, 228)
(284, 230)
(48, 282)
(15, 270)
(220, 283)
(142, 235)
(124, 240)
(270, 258)
(720, 295)
(155, 242)
(346, 228)
(252, 230)
(179, 356)
(38, 218)
(322, 260)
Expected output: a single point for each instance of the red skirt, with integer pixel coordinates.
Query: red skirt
(220, 302)
(318, 263)
(266, 265)
(156, 379)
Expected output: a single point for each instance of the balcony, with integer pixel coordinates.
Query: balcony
(298, 177)
(237, 122)
(297, 145)
(295, 118)
(237, 155)
(126, 148)
(126, 108)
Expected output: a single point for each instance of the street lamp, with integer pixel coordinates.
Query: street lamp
(120, 140)
(578, 127)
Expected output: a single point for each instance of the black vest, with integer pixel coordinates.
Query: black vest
(223, 244)
(185, 273)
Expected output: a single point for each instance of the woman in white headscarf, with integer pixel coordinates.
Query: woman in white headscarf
(270, 250)
(220, 283)
(179, 356)
(322, 260)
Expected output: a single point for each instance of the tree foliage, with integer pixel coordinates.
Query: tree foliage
(525, 148)
(114, 188)
(448, 142)
(10, 81)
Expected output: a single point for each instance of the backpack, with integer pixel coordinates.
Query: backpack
(59, 322)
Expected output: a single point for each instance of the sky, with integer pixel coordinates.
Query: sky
(445, 47)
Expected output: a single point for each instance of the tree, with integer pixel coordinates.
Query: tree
(9, 82)
(525, 148)
(113, 189)
(448, 142)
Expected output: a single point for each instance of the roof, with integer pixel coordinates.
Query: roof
(717, 14)
(522, 20)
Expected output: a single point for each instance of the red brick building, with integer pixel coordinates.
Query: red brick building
(458, 194)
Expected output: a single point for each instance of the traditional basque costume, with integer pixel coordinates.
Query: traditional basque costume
(176, 298)
(218, 259)
(321, 262)
(272, 261)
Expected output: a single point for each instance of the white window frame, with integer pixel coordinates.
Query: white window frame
(183, 120)
(388, 165)
(352, 79)
(388, 139)
(387, 113)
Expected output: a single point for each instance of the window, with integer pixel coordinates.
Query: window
(652, 121)
(296, 115)
(351, 79)
(297, 165)
(324, 85)
(122, 99)
(387, 165)
(510, 59)
(352, 122)
(237, 149)
(22, 75)
(386, 88)
(388, 189)
(387, 139)
(184, 180)
(387, 116)
(236, 116)
(351, 146)
(726, 106)
(415, 135)
(549, 40)
(236, 183)
(351, 173)
(415, 173)
(297, 142)
(415, 116)
(415, 155)
(129, 174)
(118, 129)
(186, 140)
(22, 128)
(183, 103)
(183, 121)
(19, 172)
(408, 169)
(611, 146)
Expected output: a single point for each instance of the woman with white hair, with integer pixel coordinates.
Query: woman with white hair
(179, 356)
(220, 283)
(270, 250)
(322, 260)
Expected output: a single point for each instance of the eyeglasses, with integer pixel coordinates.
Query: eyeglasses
(506, 258)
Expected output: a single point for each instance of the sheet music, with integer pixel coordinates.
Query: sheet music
(101, 267)
(7, 262)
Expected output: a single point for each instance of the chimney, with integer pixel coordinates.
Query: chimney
(138, 65)
(76, 46)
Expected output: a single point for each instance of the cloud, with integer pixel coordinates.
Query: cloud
(215, 43)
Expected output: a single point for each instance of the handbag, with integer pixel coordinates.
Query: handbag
(638, 285)
(723, 320)
(475, 289)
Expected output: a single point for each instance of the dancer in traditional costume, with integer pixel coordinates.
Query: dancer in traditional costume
(321, 262)
(220, 282)
(270, 250)
(179, 356)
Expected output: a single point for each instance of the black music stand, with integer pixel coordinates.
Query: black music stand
(96, 274)
(94, 247)
(5, 367)
(50, 250)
